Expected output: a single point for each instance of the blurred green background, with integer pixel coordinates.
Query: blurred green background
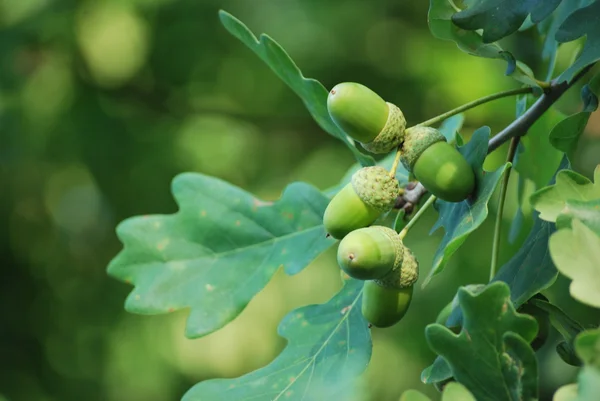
(103, 102)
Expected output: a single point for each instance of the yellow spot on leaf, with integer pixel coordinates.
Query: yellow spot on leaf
(283, 251)
(137, 297)
(238, 223)
(209, 287)
(163, 244)
(203, 213)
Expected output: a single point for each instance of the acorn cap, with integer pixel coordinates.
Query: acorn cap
(366, 117)
(416, 140)
(371, 252)
(404, 275)
(376, 188)
(347, 212)
(384, 307)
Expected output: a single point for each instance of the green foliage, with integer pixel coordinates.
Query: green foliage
(311, 91)
(220, 237)
(587, 345)
(492, 331)
(551, 201)
(442, 27)
(565, 325)
(565, 135)
(460, 219)
(453, 391)
(576, 252)
(224, 245)
(582, 22)
(328, 346)
(498, 18)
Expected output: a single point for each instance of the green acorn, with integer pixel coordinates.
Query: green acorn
(370, 193)
(439, 166)
(384, 306)
(366, 117)
(370, 253)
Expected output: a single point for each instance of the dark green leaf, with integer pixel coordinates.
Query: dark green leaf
(451, 126)
(441, 26)
(550, 201)
(565, 325)
(528, 272)
(582, 22)
(565, 135)
(460, 219)
(500, 18)
(576, 253)
(312, 92)
(531, 269)
(550, 26)
(329, 345)
(492, 332)
(586, 212)
(219, 250)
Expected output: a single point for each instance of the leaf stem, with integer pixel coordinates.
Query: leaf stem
(417, 216)
(473, 104)
(512, 150)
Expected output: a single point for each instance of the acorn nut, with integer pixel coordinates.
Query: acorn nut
(439, 166)
(384, 307)
(370, 253)
(366, 117)
(370, 193)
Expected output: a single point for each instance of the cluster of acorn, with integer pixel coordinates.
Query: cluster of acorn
(376, 253)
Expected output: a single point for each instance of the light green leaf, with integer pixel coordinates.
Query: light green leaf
(492, 332)
(456, 392)
(587, 345)
(312, 92)
(328, 346)
(414, 395)
(219, 250)
(570, 186)
(460, 219)
(576, 253)
(583, 22)
(453, 391)
(586, 212)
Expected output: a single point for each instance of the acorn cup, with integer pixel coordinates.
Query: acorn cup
(371, 193)
(366, 117)
(439, 166)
